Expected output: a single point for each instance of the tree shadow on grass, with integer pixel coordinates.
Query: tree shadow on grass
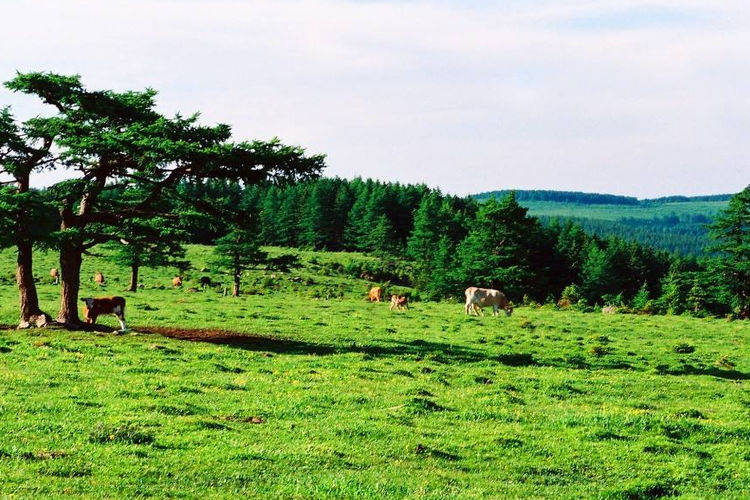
(707, 370)
(420, 349)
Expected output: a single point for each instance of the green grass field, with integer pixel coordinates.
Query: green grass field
(339, 397)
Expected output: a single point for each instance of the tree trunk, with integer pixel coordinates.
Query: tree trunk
(31, 315)
(30, 312)
(133, 278)
(236, 287)
(70, 275)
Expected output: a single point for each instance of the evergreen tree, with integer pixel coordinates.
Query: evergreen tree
(383, 237)
(270, 208)
(442, 280)
(356, 231)
(497, 252)
(288, 218)
(147, 243)
(731, 230)
(238, 251)
(422, 243)
(24, 150)
(341, 207)
(316, 228)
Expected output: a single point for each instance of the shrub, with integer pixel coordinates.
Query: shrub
(571, 294)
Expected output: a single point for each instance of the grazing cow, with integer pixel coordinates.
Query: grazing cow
(609, 310)
(92, 308)
(177, 281)
(478, 298)
(375, 294)
(399, 302)
(205, 281)
(98, 278)
(55, 275)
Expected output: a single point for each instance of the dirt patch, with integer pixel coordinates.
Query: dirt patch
(212, 335)
(247, 420)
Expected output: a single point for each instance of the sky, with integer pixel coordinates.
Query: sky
(636, 97)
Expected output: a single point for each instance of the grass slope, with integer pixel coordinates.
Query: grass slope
(344, 398)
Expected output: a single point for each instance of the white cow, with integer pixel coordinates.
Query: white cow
(477, 298)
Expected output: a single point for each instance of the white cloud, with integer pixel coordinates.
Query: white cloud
(636, 97)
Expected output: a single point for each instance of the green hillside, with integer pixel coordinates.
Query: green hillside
(677, 224)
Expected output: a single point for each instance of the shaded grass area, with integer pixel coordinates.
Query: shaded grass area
(283, 395)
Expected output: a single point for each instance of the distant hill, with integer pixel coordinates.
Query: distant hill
(593, 198)
(673, 223)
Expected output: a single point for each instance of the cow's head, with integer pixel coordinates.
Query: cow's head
(88, 304)
(508, 309)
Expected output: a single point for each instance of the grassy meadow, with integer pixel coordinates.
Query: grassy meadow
(307, 390)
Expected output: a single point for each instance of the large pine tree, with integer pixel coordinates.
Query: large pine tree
(731, 230)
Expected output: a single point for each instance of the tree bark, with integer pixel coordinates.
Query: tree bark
(236, 287)
(31, 315)
(26, 287)
(70, 275)
(133, 278)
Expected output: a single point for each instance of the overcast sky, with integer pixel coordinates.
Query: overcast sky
(634, 97)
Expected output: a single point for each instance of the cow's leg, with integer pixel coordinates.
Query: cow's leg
(119, 313)
(466, 307)
(121, 318)
(494, 310)
(479, 310)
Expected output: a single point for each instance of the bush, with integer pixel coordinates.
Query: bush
(571, 294)
(611, 299)
(381, 270)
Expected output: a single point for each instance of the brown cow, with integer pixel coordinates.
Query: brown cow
(177, 281)
(375, 294)
(399, 302)
(98, 278)
(92, 308)
(477, 298)
(55, 275)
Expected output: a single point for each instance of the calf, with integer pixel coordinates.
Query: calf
(399, 302)
(177, 281)
(92, 308)
(375, 294)
(477, 298)
(205, 281)
(55, 275)
(98, 278)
